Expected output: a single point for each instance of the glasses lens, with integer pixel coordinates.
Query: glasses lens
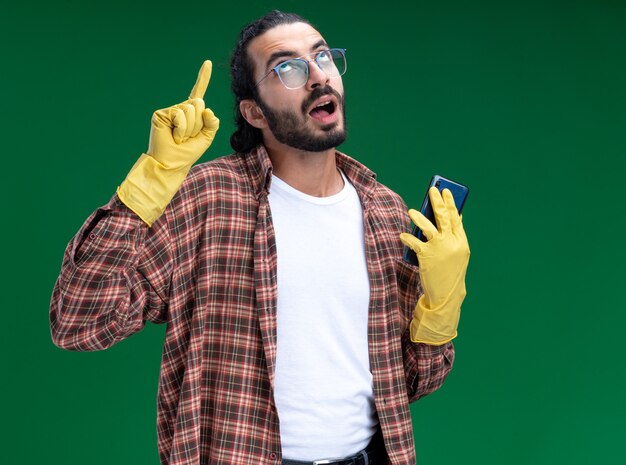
(332, 62)
(293, 73)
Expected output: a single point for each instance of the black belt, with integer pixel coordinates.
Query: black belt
(373, 454)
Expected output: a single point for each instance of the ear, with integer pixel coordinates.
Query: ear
(252, 113)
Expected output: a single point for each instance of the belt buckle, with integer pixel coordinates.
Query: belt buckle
(326, 461)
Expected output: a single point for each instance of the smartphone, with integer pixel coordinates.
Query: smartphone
(459, 193)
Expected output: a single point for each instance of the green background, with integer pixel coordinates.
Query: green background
(524, 101)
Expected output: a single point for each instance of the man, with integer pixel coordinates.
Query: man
(295, 333)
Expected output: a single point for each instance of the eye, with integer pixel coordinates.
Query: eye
(286, 66)
(292, 67)
(324, 57)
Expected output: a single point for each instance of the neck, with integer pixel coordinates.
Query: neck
(313, 173)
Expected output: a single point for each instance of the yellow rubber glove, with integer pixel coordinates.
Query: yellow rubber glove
(179, 135)
(442, 264)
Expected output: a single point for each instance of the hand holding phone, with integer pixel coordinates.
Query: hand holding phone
(459, 194)
(442, 255)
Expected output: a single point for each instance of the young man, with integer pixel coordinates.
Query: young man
(296, 333)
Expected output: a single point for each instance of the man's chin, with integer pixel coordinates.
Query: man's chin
(317, 144)
(332, 141)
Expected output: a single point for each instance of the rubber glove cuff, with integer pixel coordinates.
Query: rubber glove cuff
(436, 326)
(150, 186)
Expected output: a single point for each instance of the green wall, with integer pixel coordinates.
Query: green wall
(524, 101)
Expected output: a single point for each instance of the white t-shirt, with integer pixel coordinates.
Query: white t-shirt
(323, 382)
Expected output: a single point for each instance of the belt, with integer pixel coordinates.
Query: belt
(373, 454)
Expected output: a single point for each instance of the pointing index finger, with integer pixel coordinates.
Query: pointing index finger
(204, 76)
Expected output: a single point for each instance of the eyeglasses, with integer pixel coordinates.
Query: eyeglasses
(294, 73)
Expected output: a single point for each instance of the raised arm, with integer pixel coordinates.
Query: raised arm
(117, 270)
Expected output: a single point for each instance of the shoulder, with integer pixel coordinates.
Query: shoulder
(219, 185)
(390, 210)
(369, 187)
(385, 197)
(218, 178)
(382, 203)
(228, 167)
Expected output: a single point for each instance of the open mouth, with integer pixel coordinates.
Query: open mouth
(323, 110)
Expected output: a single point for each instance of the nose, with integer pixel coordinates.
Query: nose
(317, 77)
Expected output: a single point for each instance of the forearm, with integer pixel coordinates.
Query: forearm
(102, 294)
(426, 366)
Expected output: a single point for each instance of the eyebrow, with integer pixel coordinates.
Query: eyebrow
(286, 53)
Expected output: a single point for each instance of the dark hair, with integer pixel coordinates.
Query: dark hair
(246, 136)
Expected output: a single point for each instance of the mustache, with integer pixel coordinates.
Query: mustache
(319, 92)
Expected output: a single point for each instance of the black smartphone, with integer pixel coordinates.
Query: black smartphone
(459, 193)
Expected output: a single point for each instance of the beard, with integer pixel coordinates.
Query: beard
(289, 127)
